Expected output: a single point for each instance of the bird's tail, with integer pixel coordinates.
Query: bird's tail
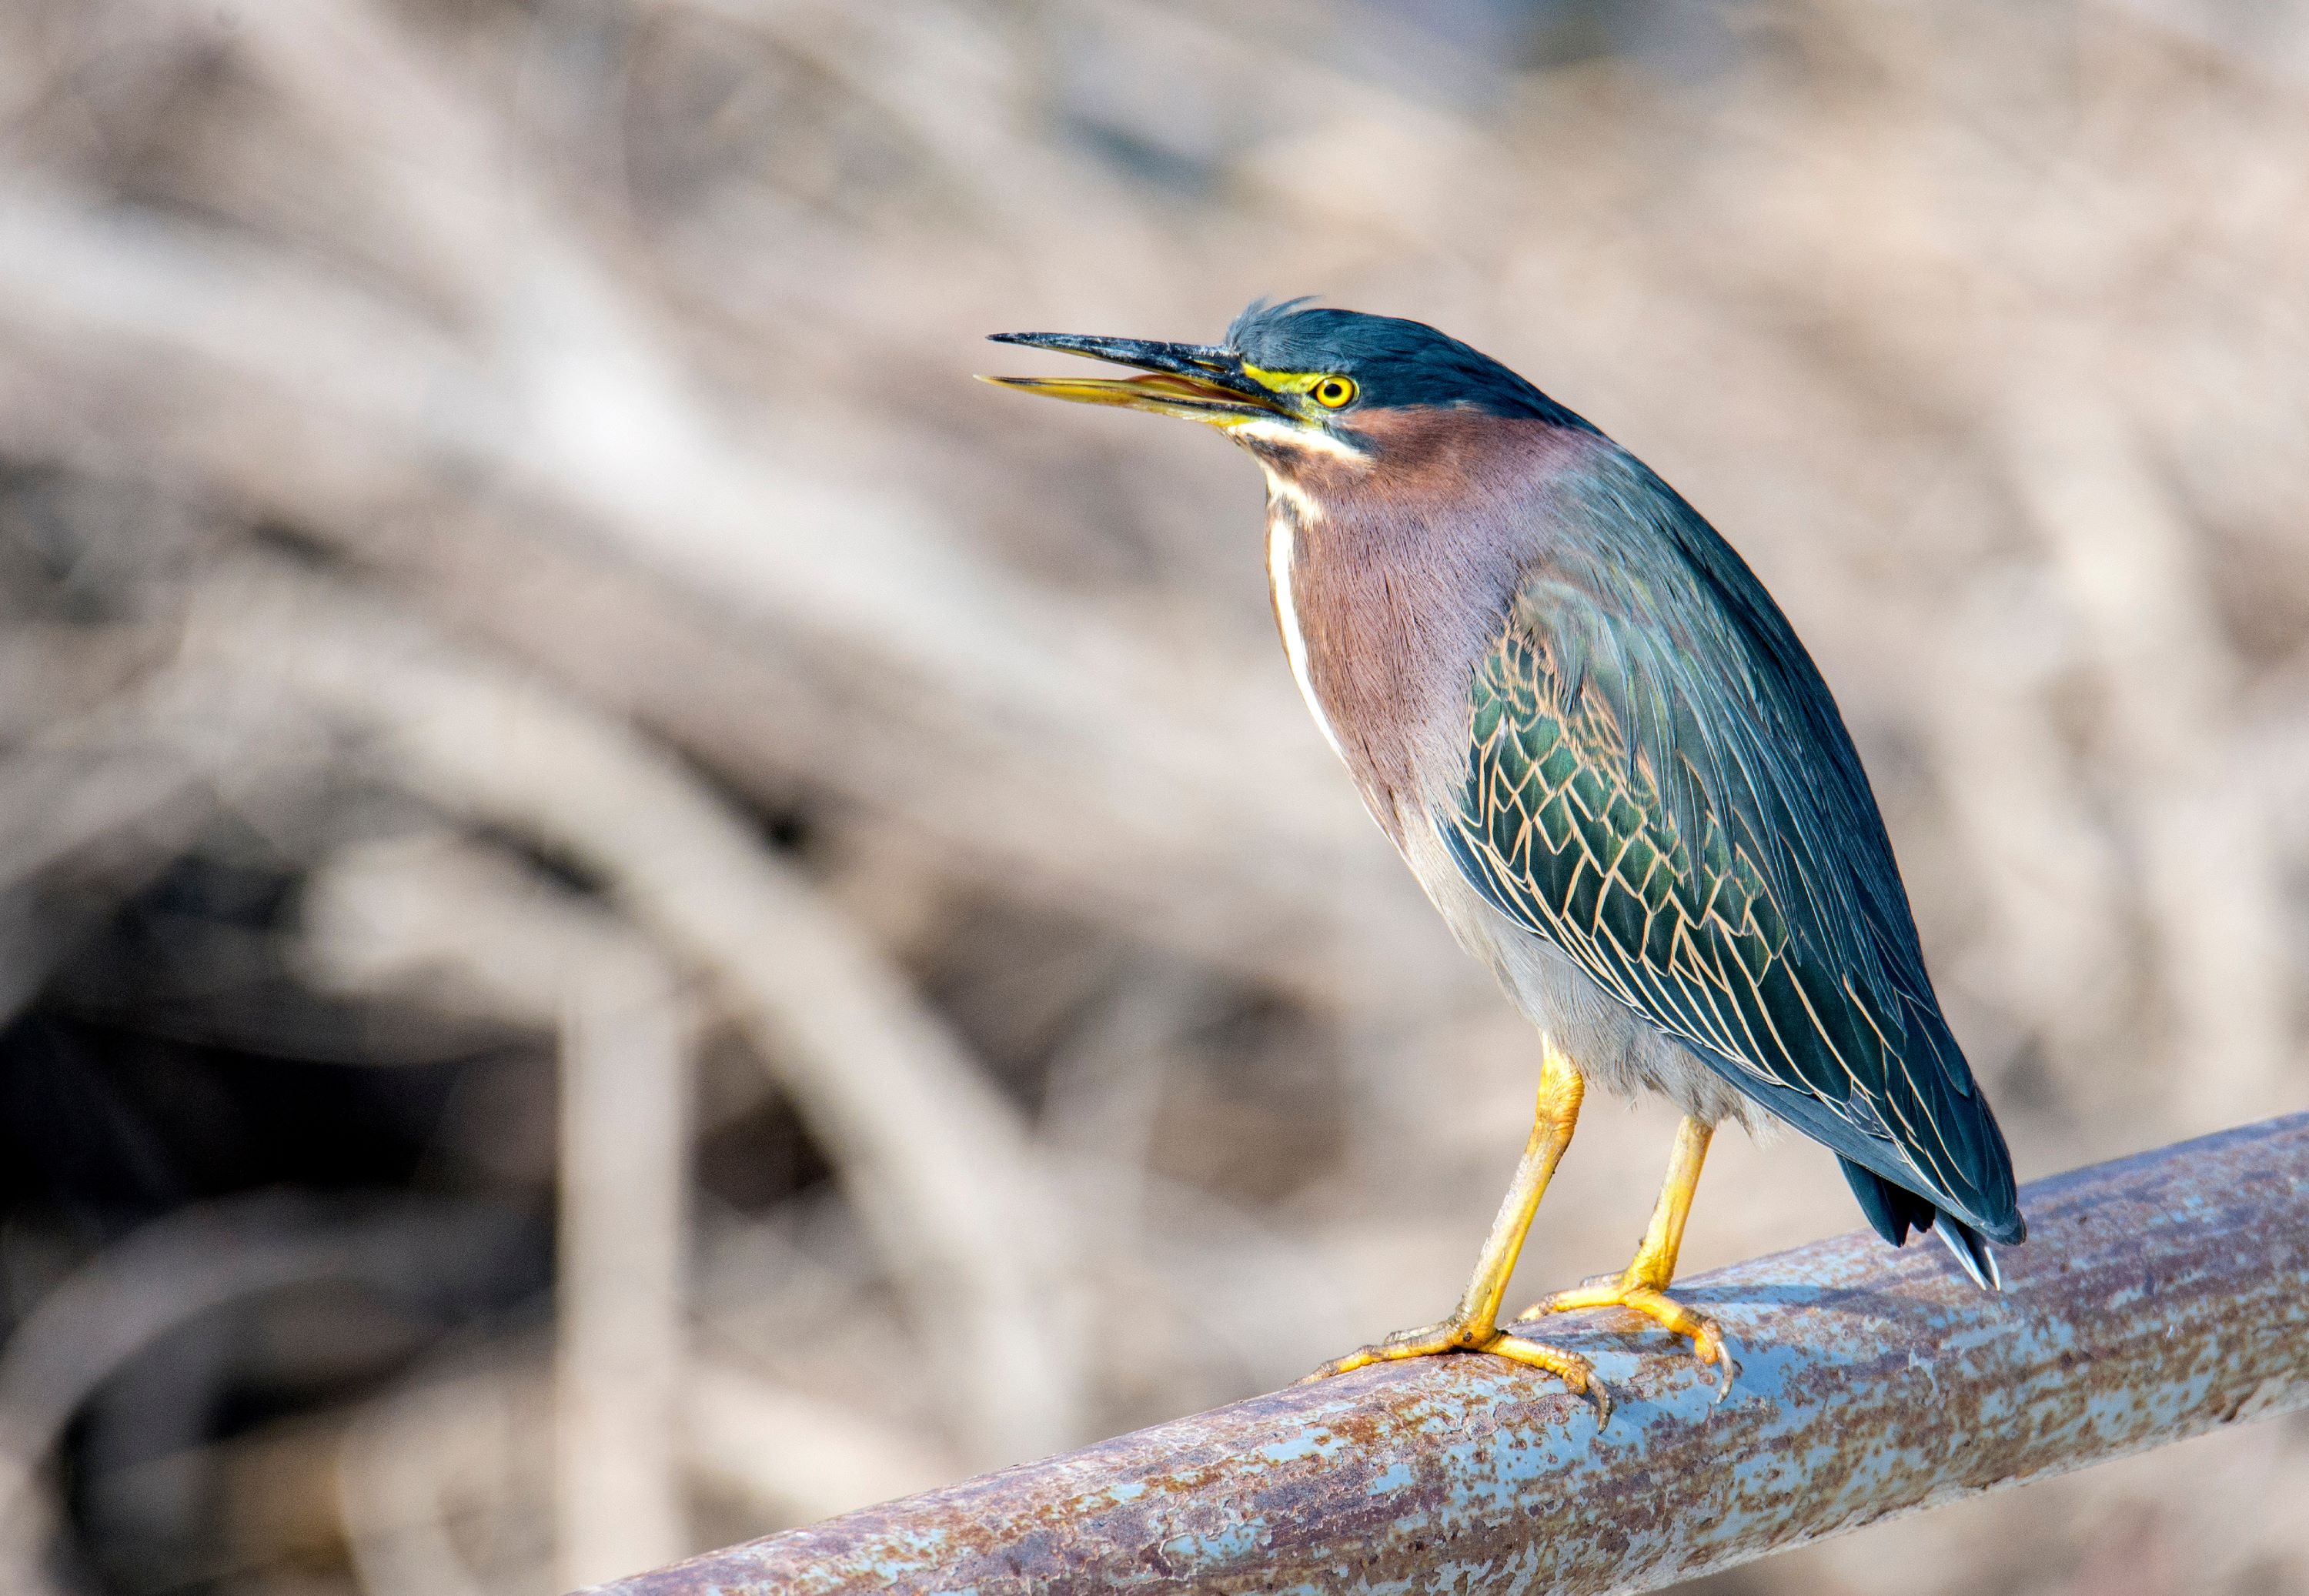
(1973, 1253)
(1894, 1212)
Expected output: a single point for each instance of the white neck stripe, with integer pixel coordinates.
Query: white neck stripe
(1282, 552)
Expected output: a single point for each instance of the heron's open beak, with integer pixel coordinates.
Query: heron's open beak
(1196, 381)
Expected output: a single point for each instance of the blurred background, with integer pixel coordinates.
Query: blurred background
(631, 914)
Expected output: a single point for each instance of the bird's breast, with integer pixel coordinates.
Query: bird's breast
(1380, 646)
(1392, 578)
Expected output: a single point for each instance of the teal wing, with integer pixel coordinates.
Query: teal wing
(1658, 783)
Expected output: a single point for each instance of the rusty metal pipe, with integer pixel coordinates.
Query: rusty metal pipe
(2160, 1297)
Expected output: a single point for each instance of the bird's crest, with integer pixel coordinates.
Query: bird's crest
(1394, 363)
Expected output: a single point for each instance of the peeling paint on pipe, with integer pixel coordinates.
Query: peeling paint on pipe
(2159, 1297)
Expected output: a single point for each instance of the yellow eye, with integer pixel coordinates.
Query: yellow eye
(1332, 392)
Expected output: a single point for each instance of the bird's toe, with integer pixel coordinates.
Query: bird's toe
(1456, 1336)
(1618, 1291)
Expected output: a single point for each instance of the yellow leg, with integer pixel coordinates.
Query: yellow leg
(1473, 1325)
(1642, 1286)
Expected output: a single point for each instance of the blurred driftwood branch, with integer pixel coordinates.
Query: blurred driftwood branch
(935, 1162)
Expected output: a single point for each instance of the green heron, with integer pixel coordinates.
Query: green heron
(1601, 748)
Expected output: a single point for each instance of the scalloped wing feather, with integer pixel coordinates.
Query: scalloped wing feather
(1660, 784)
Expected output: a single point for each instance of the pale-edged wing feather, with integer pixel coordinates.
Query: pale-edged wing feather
(1658, 783)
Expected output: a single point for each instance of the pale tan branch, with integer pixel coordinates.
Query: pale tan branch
(938, 1163)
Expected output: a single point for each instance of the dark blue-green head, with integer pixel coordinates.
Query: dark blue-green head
(1297, 376)
(1394, 363)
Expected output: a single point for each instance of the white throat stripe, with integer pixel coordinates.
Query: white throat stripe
(1313, 439)
(1282, 549)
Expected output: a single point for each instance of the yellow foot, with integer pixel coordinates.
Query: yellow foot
(1454, 1335)
(1619, 1290)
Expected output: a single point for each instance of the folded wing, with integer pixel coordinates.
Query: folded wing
(1658, 784)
